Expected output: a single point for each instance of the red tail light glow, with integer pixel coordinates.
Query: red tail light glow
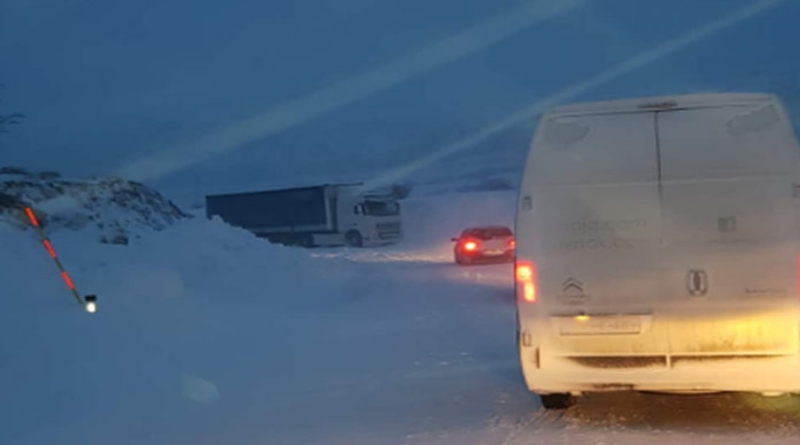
(470, 246)
(525, 272)
(512, 243)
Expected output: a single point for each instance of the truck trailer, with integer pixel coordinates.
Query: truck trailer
(322, 215)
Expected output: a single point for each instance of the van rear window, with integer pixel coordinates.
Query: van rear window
(753, 121)
(725, 142)
(591, 149)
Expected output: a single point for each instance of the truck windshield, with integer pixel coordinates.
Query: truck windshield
(382, 208)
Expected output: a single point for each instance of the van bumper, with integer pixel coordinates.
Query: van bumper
(546, 374)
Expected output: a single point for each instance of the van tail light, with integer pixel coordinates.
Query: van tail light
(525, 272)
(470, 246)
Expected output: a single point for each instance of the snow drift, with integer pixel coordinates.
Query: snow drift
(112, 208)
(179, 310)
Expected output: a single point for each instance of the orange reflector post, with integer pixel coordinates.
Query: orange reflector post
(525, 272)
(49, 248)
(31, 217)
(67, 280)
(52, 253)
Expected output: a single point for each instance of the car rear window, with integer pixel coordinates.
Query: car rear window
(488, 233)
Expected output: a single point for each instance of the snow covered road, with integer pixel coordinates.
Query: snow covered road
(442, 370)
(206, 335)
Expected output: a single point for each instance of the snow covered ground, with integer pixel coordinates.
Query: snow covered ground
(207, 335)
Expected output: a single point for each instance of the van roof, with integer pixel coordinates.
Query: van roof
(662, 103)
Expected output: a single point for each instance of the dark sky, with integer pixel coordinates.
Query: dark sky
(107, 84)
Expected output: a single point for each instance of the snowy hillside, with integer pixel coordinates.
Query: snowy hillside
(112, 209)
(207, 335)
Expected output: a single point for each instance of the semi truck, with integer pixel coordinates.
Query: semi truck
(322, 215)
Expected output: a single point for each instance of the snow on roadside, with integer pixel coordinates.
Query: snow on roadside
(113, 209)
(178, 311)
(205, 334)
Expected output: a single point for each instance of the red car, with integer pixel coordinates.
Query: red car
(484, 244)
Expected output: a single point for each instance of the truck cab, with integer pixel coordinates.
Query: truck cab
(368, 219)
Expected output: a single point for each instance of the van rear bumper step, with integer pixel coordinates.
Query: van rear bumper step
(665, 361)
(675, 373)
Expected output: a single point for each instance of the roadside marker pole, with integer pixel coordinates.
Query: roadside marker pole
(49, 247)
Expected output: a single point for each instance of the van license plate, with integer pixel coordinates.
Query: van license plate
(600, 326)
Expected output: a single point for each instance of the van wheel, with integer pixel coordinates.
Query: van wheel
(557, 401)
(353, 238)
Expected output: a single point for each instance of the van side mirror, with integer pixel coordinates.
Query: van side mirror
(455, 240)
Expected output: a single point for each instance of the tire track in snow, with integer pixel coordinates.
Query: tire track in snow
(543, 419)
(634, 418)
(478, 399)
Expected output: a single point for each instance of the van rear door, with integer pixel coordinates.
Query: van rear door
(729, 229)
(592, 229)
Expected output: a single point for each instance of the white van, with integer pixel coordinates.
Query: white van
(657, 248)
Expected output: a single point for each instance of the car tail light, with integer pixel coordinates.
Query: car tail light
(470, 246)
(512, 243)
(525, 272)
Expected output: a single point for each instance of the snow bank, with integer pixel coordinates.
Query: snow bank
(206, 334)
(178, 311)
(113, 209)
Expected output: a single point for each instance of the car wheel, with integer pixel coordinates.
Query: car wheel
(557, 401)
